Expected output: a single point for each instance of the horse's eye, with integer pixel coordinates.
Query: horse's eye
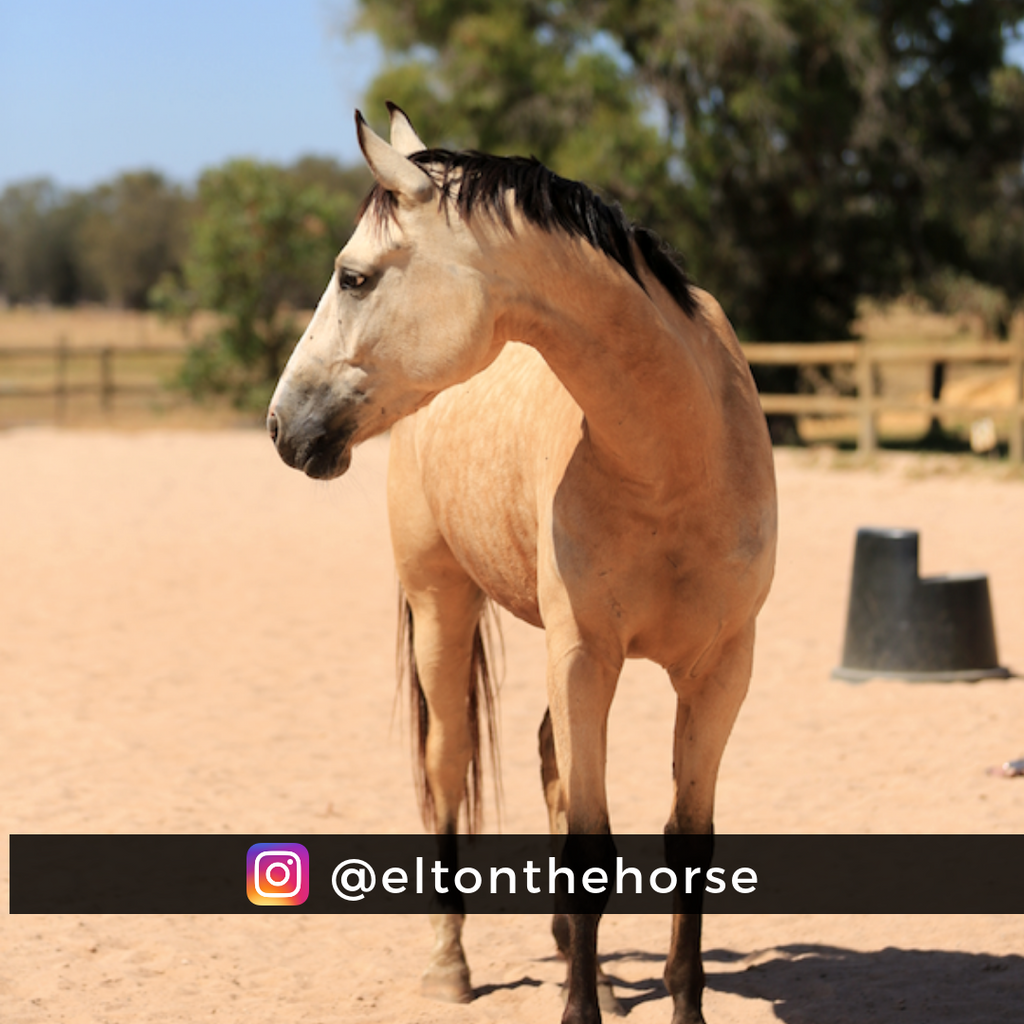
(350, 280)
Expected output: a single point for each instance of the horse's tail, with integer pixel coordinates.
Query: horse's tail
(482, 709)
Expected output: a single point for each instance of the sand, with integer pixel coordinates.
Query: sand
(197, 639)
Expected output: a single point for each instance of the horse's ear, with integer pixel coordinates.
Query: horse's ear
(403, 135)
(393, 170)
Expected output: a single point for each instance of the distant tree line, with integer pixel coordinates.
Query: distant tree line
(114, 243)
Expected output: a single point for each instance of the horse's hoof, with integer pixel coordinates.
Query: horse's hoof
(687, 1015)
(605, 998)
(607, 1001)
(447, 984)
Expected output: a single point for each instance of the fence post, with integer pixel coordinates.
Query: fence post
(1017, 416)
(61, 388)
(867, 441)
(107, 378)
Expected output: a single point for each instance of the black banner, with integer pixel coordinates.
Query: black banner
(339, 874)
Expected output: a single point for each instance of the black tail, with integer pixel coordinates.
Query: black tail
(482, 704)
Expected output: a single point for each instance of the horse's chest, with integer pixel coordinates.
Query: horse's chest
(664, 585)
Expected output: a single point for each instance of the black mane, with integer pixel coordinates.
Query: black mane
(546, 200)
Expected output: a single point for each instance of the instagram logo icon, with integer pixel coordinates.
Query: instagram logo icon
(277, 874)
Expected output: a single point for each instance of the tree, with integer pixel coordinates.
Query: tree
(262, 245)
(512, 77)
(109, 244)
(133, 233)
(809, 152)
(39, 259)
(351, 182)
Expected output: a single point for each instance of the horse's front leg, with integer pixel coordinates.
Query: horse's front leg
(706, 709)
(444, 627)
(581, 684)
(556, 816)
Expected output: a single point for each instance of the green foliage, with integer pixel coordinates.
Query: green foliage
(763, 102)
(960, 294)
(133, 232)
(802, 153)
(508, 77)
(39, 257)
(107, 245)
(113, 243)
(262, 244)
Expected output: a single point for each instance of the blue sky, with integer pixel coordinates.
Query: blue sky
(89, 88)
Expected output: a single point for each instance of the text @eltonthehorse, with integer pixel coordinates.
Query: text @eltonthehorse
(382, 874)
(352, 879)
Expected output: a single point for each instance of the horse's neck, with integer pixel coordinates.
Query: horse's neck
(625, 356)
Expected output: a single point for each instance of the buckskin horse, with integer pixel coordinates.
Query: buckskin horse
(575, 435)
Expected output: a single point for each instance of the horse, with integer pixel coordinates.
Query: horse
(575, 437)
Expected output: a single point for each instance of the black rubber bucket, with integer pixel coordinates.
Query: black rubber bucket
(900, 626)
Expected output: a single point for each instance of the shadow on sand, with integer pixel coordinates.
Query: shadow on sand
(815, 984)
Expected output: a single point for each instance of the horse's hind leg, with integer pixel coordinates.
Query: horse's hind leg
(706, 709)
(549, 776)
(555, 801)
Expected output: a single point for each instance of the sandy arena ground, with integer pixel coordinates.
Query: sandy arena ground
(197, 639)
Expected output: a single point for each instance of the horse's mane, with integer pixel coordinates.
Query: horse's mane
(473, 180)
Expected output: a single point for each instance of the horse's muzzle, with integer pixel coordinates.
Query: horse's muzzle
(320, 453)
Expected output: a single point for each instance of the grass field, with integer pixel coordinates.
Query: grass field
(153, 401)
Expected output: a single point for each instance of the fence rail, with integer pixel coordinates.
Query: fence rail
(865, 357)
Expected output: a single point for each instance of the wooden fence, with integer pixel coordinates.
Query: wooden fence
(866, 359)
(82, 371)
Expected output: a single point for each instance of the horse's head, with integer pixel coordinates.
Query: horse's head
(406, 314)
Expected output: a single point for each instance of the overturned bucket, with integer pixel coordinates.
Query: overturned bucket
(900, 626)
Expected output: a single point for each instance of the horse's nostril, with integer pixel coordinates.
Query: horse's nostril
(272, 426)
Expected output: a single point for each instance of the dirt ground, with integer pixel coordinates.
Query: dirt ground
(197, 639)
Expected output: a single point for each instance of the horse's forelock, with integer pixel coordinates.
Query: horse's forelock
(380, 204)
